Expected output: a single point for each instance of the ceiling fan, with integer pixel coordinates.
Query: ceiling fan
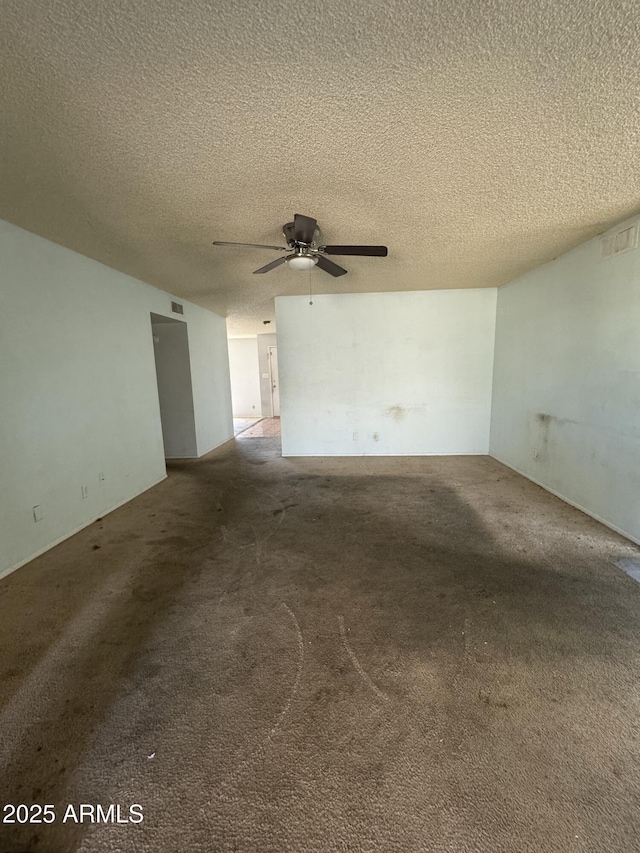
(303, 237)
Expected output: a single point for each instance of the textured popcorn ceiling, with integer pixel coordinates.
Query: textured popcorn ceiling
(476, 139)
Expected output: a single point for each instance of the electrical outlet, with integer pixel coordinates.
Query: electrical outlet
(84, 491)
(101, 477)
(355, 436)
(376, 436)
(534, 453)
(37, 513)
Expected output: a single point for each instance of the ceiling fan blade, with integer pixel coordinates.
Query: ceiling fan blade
(271, 266)
(303, 228)
(373, 251)
(250, 245)
(328, 266)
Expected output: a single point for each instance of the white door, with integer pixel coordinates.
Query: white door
(275, 385)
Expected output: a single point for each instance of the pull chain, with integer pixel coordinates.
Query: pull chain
(310, 297)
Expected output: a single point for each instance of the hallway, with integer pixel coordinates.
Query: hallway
(365, 654)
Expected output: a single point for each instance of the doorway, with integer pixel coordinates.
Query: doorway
(175, 392)
(274, 382)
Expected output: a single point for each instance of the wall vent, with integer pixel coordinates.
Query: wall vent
(619, 242)
(177, 308)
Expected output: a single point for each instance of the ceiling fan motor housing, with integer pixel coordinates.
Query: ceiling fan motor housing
(288, 231)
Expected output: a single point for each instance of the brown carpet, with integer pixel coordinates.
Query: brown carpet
(327, 655)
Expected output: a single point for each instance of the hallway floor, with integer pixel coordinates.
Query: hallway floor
(241, 424)
(364, 654)
(264, 428)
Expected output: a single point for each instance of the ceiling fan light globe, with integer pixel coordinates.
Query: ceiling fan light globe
(302, 262)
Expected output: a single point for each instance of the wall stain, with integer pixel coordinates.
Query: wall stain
(545, 441)
(545, 420)
(398, 413)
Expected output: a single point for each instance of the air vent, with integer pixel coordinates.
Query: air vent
(177, 308)
(625, 240)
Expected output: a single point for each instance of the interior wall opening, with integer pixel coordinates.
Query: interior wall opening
(255, 386)
(175, 391)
